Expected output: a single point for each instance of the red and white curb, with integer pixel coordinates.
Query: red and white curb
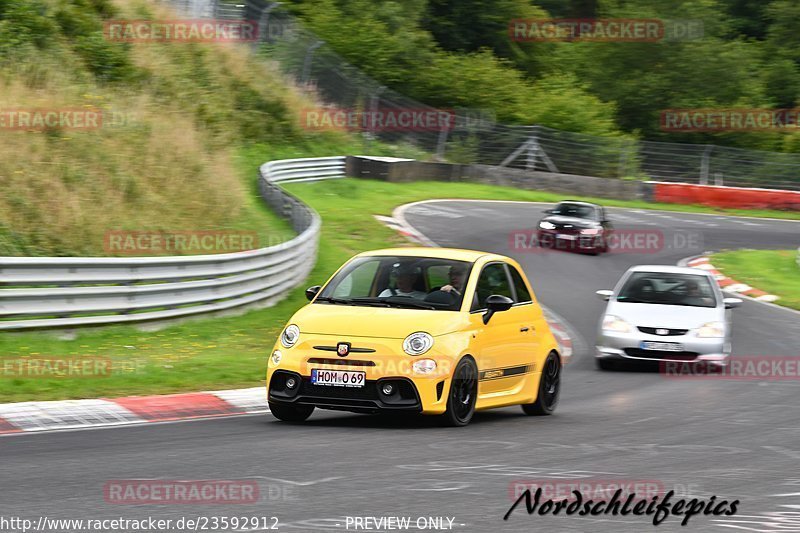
(80, 414)
(730, 285)
(405, 230)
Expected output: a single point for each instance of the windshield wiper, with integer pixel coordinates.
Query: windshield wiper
(330, 299)
(629, 300)
(377, 302)
(410, 302)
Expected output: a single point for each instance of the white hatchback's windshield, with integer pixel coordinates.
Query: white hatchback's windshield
(668, 289)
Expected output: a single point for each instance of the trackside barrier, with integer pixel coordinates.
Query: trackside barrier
(729, 197)
(65, 292)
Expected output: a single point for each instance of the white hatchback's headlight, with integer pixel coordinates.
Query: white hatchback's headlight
(547, 225)
(290, 335)
(616, 324)
(417, 343)
(712, 329)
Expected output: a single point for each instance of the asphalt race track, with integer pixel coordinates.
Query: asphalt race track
(730, 439)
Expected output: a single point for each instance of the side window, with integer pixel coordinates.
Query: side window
(493, 280)
(523, 295)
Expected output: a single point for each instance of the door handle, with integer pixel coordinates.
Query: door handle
(524, 329)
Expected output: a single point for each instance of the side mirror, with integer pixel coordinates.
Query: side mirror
(495, 304)
(732, 303)
(311, 292)
(605, 295)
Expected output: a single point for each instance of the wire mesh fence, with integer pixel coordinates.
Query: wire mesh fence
(474, 137)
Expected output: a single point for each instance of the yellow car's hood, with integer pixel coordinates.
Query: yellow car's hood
(387, 323)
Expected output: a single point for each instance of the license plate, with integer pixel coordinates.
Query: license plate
(662, 346)
(566, 237)
(338, 378)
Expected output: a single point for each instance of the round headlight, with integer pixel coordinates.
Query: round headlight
(547, 225)
(276, 357)
(417, 343)
(289, 336)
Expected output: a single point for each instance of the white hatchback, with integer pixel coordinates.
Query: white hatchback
(665, 313)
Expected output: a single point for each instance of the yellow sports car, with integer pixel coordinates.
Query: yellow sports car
(435, 331)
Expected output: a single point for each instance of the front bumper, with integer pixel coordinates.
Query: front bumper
(425, 393)
(367, 399)
(574, 241)
(627, 346)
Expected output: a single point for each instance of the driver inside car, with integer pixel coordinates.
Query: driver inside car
(405, 279)
(457, 277)
(695, 297)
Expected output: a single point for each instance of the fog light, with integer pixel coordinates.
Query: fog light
(291, 383)
(276, 357)
(387, 389)
(424, 366)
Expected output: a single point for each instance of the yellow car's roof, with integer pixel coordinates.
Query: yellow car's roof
(438, 253)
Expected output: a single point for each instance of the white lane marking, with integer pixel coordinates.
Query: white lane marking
(642, 420)
(438, 212)
(744, 222)
(297, 483)
(141, 423)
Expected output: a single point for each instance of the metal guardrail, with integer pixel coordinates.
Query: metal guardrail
(63, 292)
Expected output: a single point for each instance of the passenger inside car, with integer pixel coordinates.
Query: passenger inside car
(406, 280)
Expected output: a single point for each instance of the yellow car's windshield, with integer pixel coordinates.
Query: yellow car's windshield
(399, 281)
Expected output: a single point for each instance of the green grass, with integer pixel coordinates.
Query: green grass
(773, 271)
(231, 352)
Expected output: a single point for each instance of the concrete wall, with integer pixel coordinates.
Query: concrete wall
(567, 184)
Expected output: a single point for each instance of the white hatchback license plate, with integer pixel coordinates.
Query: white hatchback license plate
(662, 346)
(566, 237)
(338, 378)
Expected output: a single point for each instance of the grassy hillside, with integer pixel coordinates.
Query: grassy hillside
(177, 119)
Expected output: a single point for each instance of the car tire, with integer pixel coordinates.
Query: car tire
(605, 364)
(463, 394)
(290, 413)
(549, 388)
